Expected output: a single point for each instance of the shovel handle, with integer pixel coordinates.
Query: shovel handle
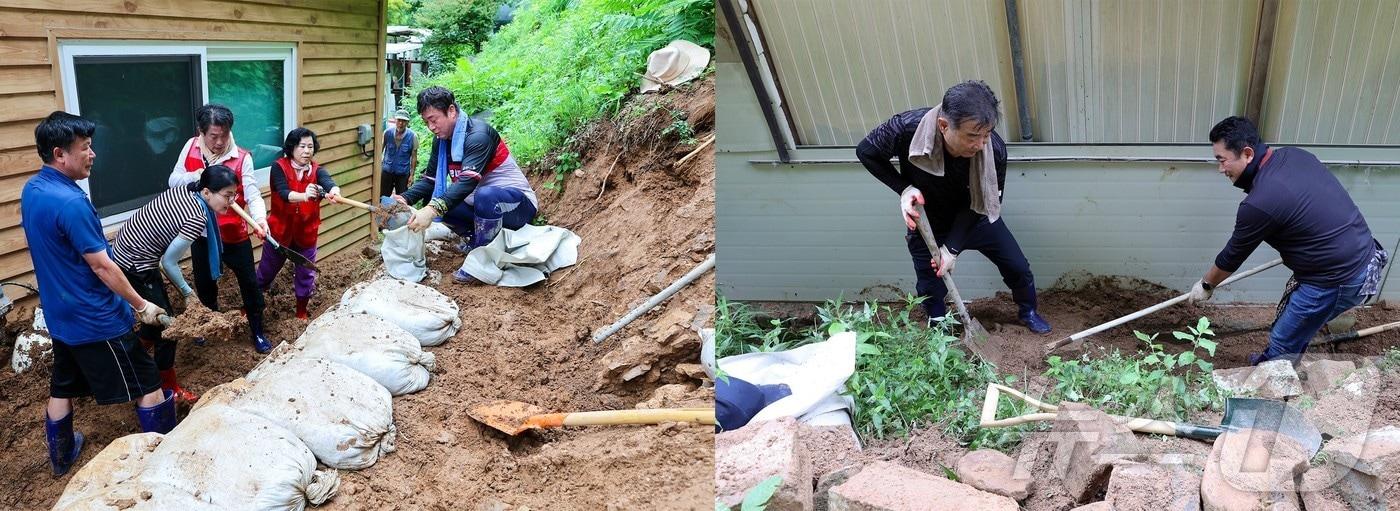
(615, 417)
(244, 214)
(926, 232)
(1048, 412)
(1080, 335)
(353, 202)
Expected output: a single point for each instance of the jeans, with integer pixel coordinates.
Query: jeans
(1309, 308)
(491, 202)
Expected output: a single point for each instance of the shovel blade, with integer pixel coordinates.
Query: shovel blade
(509, 417)
(1271, 415)
(296, 257)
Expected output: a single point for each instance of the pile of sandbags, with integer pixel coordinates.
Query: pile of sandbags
(368, 344)
(430, 316)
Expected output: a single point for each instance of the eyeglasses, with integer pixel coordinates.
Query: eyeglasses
(230, 196)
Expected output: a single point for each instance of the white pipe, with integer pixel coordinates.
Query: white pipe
(706, 265)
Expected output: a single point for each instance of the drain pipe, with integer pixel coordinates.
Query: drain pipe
(1018, 69)
(741, 41)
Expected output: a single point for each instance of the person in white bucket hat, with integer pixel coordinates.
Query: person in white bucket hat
(677, 63)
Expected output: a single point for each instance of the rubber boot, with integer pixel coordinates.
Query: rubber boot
(159, 418)
(64, 444)
(260, 342)
(486, 230)
(302, 314)
(168, 382)
(1025, 310)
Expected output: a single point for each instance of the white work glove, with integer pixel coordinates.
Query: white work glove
(314, 192)
(907, 200)
(422, 219)
(1200, 292)
(150, 314)
(943, 264)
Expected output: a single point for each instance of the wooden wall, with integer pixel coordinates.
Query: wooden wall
(340, 48)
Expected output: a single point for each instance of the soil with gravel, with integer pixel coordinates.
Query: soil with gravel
(644, 223)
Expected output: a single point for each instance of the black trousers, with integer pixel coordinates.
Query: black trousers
(238, 258)
(151, 286)
(390, 184)
(993, 240)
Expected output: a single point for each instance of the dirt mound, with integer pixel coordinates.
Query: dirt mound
(198, 321)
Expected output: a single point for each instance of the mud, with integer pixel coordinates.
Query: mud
(644, 223)
(198, 321)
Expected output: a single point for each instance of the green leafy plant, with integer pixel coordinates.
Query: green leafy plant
(1155, 383)
(756, 499)
(1390, 360)
(680, 127)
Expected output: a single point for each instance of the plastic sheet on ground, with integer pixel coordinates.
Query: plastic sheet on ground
(816, 373)
(518, 258)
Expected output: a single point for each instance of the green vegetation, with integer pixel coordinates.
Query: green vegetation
(563, 63)
(756, 499)
(1151, 384)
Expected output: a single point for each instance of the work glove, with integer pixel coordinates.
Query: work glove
(943, 264)
(1200, 292)
(907, 200)
(422, 219)
(150, 314)
(314, 192)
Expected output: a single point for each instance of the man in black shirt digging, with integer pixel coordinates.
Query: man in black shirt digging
(1298, 207)
(950, 156)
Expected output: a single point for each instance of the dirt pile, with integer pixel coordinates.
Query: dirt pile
(198, 321)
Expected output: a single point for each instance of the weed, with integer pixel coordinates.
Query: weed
(564, 164)
(1390, 360)
(680, 127)
(1156, 384)
(756, 499)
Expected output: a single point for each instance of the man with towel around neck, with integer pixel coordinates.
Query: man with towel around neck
(951, 160)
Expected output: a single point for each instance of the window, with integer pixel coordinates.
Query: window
(142, 96)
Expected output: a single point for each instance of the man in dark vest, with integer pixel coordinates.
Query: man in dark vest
(400, 156)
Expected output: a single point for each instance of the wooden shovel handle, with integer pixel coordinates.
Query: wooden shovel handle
(353, 202)
(926, 232)
(244, 214)
(1049, 411)
(614, 417)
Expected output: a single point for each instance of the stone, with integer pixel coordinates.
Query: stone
(992, 471)
(1088, 443)
(1346, 408)
(830, 447)
(1364, 471)
(692, 371)
(830, 480)
(1319, 490)
(1319, 375)
(1274, 379)
(1163, 487)
(1375, 453)
(746, 456)
(885, 486)
(1252, 469)
(1097, 506)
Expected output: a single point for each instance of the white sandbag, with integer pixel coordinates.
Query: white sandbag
(31, 348)
(371, 345)
(430, 316)
(343, 416)
(438, 231)
(234, 459)
(120, 461)
(404, 257)
(139, 496)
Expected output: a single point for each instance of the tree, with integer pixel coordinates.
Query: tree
(459, 26)
(401, 12)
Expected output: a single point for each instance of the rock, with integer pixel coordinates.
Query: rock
(884, 486)
(446, 437)
(1365, 468)
(1252, 469)
(1319, 489)
(31, 348)
(1343, 323)
(1097, 506)
(1164, 487)
(1390, 305)
(992, 471)
(370, 251)
(748, 455)
(692, 371)
(679, 395)
(1274, 379)
(829, 447)
(1088, 443)
(1319, 375)
(830, 480)
(1345, 409)
(635, 371)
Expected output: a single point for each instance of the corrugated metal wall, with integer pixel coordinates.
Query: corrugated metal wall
(1335, 73)
(845, 66)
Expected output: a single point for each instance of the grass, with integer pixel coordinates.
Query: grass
(563, 63)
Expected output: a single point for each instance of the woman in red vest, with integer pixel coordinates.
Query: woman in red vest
(298, 186)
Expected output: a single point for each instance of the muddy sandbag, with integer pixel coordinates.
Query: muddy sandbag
(31, 348)
(139, 496)
(430, 316)
(117, 463)
(235, 459)
(343, 416)
(404, 255)
(371, 345)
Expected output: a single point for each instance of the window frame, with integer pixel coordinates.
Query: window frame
(205, 51)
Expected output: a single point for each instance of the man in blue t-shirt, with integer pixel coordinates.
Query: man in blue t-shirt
(1293, 203)
(86, 299)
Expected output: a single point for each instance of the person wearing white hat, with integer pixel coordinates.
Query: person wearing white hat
(400, 156)
(677, 63)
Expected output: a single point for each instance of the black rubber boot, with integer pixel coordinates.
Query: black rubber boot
(64, 444)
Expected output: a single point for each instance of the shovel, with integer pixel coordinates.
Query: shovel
(514, 417)
(292, 255)
(973, 332)
(382, 217)
(1062, 342)
(1240, 413)
(1351, 336)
